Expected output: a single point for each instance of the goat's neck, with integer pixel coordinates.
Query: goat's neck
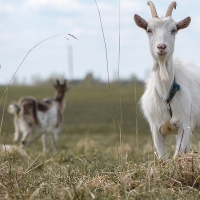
(60, 98)
(163, 76)
(63, 104)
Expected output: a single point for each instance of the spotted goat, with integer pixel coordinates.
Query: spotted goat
(43, 117)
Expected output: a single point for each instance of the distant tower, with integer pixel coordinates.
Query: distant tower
(70, 62)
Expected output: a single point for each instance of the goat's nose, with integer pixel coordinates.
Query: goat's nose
(161, 46)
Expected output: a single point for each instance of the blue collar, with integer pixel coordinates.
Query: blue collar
(174, 89)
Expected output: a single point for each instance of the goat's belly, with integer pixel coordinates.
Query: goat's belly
(45, 128)
(48, 120)
(167, 129)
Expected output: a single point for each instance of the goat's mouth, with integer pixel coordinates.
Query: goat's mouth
(161, 53)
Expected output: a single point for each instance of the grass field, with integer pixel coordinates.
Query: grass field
(98, 156)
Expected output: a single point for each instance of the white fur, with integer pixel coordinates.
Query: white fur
(185, 104)
(48, 124)
(45, 120)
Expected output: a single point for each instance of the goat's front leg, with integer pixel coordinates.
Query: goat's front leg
(159, 143)
(54, 141)
(44, 142)
(182, 142)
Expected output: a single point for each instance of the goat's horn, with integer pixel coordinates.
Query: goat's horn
(153, 9)
(170, 9)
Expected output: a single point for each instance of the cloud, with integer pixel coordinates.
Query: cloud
(6, 8)
(61, 5)
(26, 22)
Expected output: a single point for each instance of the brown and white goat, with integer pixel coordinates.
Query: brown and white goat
(43, 117)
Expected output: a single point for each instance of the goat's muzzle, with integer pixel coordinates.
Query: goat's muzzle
(161, 46)
(161, 49)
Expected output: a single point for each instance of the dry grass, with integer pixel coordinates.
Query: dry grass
(92, 172)
(88, 164)
(185, 170)
(87, 145)
(13, 149)
(95, 177)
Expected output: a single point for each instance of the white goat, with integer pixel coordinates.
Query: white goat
(171, 102)
(43, 117)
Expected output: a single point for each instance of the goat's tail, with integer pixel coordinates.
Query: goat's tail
(13, 108)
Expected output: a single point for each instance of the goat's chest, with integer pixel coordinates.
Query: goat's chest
(155, 109)
(157, 113)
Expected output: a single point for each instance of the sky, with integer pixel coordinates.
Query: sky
(25, 23)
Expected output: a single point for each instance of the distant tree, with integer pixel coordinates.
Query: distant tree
(15, 81)
(55, 76)
(89, 79)
(134, 79)
(36, 80)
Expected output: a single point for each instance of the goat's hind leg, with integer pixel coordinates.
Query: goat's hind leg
(26, 136)
(17, 132)
(16, 137)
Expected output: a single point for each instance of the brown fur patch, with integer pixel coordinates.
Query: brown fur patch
(43, 106)
(29, 105)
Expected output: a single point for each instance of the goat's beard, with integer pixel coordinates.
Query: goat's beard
(164, 76)
(160, 64)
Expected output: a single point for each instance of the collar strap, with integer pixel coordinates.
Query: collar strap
(174, 89)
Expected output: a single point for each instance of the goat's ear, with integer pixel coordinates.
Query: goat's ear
(58, 82)
(183, 23)
(142, 23)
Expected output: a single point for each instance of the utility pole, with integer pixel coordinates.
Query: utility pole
(70, 62)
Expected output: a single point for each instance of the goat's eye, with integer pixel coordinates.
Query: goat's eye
(149, 31)
(173, 31)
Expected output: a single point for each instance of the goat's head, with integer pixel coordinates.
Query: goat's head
(161, 31)
(60, 90)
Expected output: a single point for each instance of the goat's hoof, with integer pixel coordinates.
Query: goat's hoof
(162, 162)
(177, 156)
(193, 151)
(23, 143)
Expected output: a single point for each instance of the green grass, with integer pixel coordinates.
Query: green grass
(91, 162)
(88, 111)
